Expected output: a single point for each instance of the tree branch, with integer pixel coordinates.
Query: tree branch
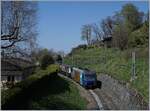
(11, 36)
(7, 46)
(12, 44)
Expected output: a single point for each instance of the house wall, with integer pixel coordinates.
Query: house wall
(3, 78)
(5, 74)
(16, 78)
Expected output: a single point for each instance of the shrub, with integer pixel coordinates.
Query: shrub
(53, 68)
(17, 88)
(46, 60)
(8, 94)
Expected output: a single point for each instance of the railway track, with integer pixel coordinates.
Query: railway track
(106, 100)
(92, 93)
(103, 100)
(98, 101)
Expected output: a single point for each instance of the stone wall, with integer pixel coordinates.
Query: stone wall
(122, 96)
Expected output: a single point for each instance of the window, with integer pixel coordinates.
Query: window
(90, 77)
(8, 78)
(12, 78)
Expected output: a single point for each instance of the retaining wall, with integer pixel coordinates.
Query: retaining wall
(122, 96)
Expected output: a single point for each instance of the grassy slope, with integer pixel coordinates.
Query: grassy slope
(43, 90)
(115, 63)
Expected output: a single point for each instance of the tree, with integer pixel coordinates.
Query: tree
(107, 27)
(59, 58)
(135, 25)
(140, 36)
(86, 33)
(18, 21)
(61, 53)
(119, 32)
(46, 60)
(97, 30)
(133, 18)
(120, 36)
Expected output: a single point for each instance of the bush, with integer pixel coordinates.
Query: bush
(53, 68)
(46, 60)
(9, 94)
(17, 88)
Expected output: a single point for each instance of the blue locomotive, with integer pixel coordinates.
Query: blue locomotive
(84, 77)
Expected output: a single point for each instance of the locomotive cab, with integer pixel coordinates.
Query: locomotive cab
(89, 79)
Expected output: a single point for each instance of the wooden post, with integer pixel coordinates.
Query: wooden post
(72, 60)
(133, 73)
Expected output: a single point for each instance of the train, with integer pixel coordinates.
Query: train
(84, 77)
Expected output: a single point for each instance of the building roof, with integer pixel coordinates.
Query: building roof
(13, 66)
(8, 66)
(17, 61)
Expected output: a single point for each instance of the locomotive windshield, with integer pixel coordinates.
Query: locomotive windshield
(91, 77)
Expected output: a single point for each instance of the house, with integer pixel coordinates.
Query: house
(14, 70)
(10, 72)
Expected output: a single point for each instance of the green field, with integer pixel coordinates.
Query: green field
(116, 63)
(43, 90)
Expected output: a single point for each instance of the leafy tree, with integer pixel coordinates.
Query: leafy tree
(139, 37)
(46, 60)
(133, 18)
(59, 59)
(38, 54)
(127, 23)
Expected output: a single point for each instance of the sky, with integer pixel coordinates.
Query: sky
(60, 23)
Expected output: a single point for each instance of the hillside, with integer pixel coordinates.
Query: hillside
(43, 90)
(116, 63)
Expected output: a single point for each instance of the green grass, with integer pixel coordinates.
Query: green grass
(115, 63)
(44, 90)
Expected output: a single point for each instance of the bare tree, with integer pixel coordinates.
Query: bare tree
(107, 27)
(18, 21)
(86, 33)
(97, 32)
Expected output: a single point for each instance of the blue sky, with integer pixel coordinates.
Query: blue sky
(59, 23)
